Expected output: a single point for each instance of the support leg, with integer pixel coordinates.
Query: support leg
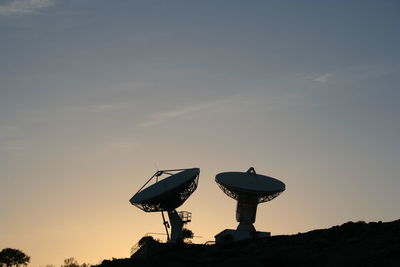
(176, 226)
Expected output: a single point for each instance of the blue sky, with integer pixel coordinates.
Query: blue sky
(96, 95)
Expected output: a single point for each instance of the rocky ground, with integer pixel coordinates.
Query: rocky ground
(350, 244)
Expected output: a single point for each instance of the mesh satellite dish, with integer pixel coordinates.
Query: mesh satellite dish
(166, 195)
(249, 189)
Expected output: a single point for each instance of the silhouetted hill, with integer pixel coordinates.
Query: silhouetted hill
(351, 244)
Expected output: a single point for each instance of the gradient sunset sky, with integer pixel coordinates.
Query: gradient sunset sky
(96, 95)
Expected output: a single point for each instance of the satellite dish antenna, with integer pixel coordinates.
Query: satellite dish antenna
(166, 195)
(249, 189)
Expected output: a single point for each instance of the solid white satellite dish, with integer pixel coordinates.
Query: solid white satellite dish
(249, 189)
(167, 195)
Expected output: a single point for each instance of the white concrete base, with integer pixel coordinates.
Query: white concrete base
(229, 235)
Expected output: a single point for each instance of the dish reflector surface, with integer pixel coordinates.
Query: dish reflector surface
(236, 184)
(169, 193)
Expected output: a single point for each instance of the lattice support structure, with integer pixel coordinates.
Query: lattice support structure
(260, 198)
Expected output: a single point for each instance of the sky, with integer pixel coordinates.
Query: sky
(97, 95)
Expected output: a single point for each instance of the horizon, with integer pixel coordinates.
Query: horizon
(95, 96)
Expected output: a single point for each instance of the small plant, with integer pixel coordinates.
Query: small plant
(70, 262)
(147, 240)
(187, 234)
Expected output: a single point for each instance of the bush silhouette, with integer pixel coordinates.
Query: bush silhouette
(70, 262)
(187, 233)
(10, 257)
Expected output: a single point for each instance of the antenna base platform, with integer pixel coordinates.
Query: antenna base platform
(230, 235)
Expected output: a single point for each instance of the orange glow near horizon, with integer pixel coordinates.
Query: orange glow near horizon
(92, 234)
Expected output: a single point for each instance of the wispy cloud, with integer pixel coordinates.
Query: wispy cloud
(106, 107)
(7, 130)
(20, 7)
(323, 78)
(122, 145)
(14, 146)
(162, 117)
